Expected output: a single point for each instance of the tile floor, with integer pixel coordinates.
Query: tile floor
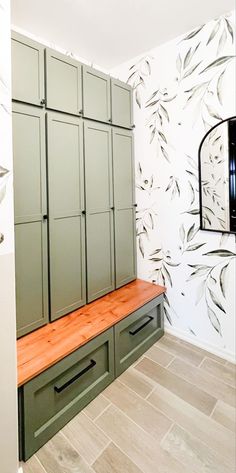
(173, 411)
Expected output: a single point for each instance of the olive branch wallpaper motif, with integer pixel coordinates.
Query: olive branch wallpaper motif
(182, 89)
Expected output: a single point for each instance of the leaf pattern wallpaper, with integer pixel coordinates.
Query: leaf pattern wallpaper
(182, 89)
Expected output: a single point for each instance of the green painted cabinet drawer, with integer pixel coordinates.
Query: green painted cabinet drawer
(50, 400)
(137, 332)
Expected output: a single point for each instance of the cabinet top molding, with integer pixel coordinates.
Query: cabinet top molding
(46, 346)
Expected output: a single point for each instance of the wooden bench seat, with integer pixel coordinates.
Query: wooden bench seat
(46, 346)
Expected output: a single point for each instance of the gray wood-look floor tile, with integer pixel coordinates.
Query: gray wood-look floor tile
(142, 413)
(187, 391)
(138, 382)
(177, 349)
(193, 453)
(195, 422)
(113, 460)
(225, 415)
(86, 437)
(202, 352)
(32, 466)
(210, 384)
(226, 374)
(58, 456)
(95, 407)
(162, 357)
(139, 446)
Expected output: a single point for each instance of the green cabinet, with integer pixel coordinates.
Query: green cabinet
(30, 223)
(96, 95)
(137, 332)
(27, 70)
(122, 104)
(123, 178)
(66, 213)
(99, 209)
(50, 400)
(63, 83)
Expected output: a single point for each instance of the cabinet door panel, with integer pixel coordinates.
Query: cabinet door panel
(63, 83)
(31, 276)
(67, 265)
(99, 213)
(122, 104)
(125, 246)
(96, 94)
(27, 70)
(30, 206)
(123, 177)
(29, 162)
(100, 254)
(66, 221)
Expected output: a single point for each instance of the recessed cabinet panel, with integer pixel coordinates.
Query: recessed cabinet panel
(31, 276)
(123, 178)
(99, 209)
(63, 83)
(122, 104)
(125, 253)
(67, 272)
(27, 70)
(98, 166)
(100, 254)
(122, 141)
(96, 94)
(31, 228)
(29, 162)
(66, 220)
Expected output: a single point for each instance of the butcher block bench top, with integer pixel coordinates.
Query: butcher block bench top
(47, 345)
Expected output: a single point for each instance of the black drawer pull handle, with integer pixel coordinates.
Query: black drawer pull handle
(77, 376)
(141, 326)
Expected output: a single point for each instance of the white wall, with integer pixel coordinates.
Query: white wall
(8, 411)
(180, 92)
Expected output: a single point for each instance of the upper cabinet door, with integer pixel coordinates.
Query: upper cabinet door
(122, 104)
(63, 83)
(96, 95)
(27, 70)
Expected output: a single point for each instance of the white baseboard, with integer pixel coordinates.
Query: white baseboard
(226, 355)
(20, 470)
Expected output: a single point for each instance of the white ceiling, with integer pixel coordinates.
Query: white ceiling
(109, 32)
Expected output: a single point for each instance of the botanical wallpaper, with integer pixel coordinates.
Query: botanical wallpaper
(182, 89)
(214, 158)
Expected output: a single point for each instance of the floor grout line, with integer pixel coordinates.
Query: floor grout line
(167, 366)
(74, 448)
(104, 410)
(213, 410)
(39, 463)
(199, 366)
(103, 450)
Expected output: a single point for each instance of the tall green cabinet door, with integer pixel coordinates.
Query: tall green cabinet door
(122, 104)
(123, 176)
(30, 217)
(27, 70)
(66, 213)
(63, 83)
(99, 210)
(96, 95)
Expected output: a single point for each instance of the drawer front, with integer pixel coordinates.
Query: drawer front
(137, 332)
(51, 399)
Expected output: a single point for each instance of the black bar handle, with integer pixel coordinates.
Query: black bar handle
(59, 389)
(135, 205)
(141, 326)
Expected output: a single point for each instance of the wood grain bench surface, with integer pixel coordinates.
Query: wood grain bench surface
(44, 347)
